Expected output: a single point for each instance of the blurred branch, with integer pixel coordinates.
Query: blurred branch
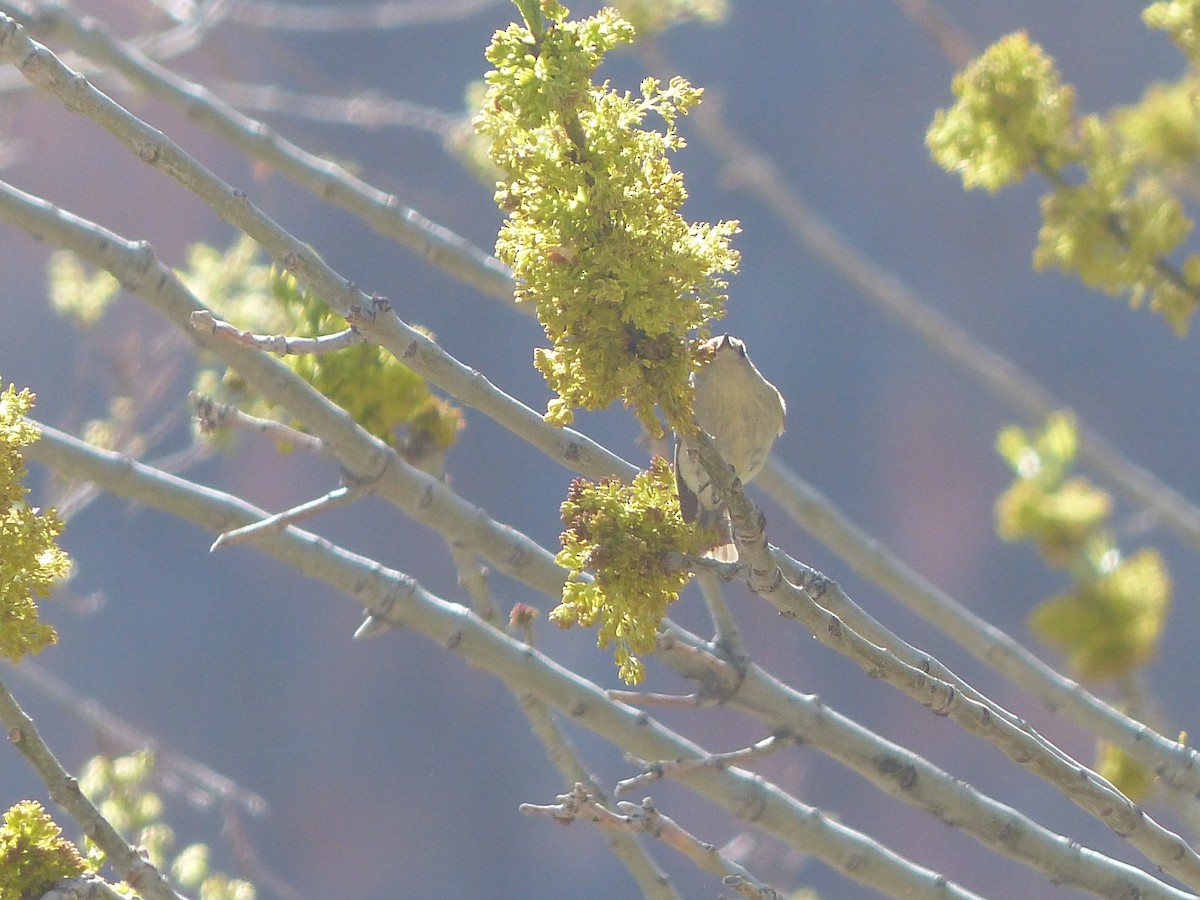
(339, 17)
(581, 803)
(330, 182)
(195, 781)
(85, 887)
(953, 43)
(64, 790)
(363, 110)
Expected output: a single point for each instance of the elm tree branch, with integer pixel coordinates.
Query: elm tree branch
(403, 603)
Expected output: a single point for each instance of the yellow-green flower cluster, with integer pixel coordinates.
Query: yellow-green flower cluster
(1133, 779)
(75, 293)
(1109, 624)
(1111, 620)
(1115, 229)
(1054, 512)
(594, 235)
(117, 787)
(653, 16)
(1012, 113)
(1110, 216)
(31, 563)
(384, 396)
(33, 853)
(1181, 20)
(630, 537)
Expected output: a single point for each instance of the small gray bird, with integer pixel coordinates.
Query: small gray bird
(744, 414)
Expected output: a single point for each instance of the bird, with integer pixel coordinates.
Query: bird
(744, 414)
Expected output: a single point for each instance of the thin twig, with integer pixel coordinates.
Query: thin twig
(204, 786)
(650, 698)
(85, 887)
(213, 416)
(681, 768)
(335, 499)
(652, 881)
(581, 803)
(278, 344)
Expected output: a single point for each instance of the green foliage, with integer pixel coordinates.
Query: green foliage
(33, 853)
(1181, 20)
(1011, 113)
(1165, 123)
(1115, 221)
(384, 396)
(116, 786)
(73, 293)
(1110, 621)
(1128, 776)
(630, 537)
(1115, 228)
(1109, 624)
(594, 234)
(31, 563)
(1055, 513)
(652, 16)
(367, 381)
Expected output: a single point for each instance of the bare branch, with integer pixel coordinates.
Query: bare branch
(681, 768)
(213, 416)
(335, 499)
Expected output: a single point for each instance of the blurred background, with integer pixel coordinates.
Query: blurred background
(390, 767)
